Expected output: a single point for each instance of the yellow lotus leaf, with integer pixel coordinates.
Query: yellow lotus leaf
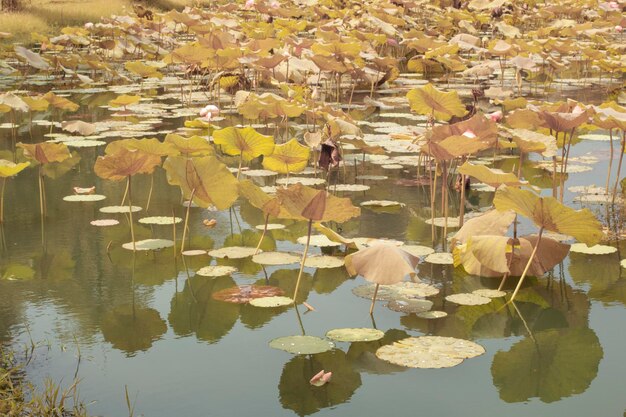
(288, 157)
(453, 147)
(564, 122)
(124, 100)
(261, 200)
(151, 146)
(493, 256)
(46, 152)
(143, 70)
(530, 141)
(382, 264)
(13, 102)
(206, 177)
(523, 119)
(193, 146)
(335, 237)
(246, 142)
(9, 169)
(493, 222)
(32, 58)
(307, 203)
(190, 53)
(488, 175)
(78, 126)
(429, 101)
(60, 102)
(549, 213)
(125, 162)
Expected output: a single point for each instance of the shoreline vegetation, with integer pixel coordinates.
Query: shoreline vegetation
(20, 398)
(24, 18)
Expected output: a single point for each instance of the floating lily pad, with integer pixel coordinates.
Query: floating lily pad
(271, 226)
(160, 220)
(370, 241)
(355, 334)
(415, 305)
(85, 143)
(319, 241)
(441, 221)
(259, 173)
(149, 244)
(349, 187)
(441, 258)
(429, 352)
(216, 271)
(275, 258)
(194, 252)
(104, 222)
(382, 203)
(233, 252)
(301, 180)
(119, 209)
(302, 345)
(245, 293)
(269, 302)
(418, 250)
(84, 197)
(430, 315)
(324, 261)
(371, 177)
(468, 299)
(623, 263)
(402, 290)
(593, 250)
(484, 292)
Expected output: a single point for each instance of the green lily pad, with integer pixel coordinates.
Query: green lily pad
(302, 345)
(149, 244)
(233, 252)
(275, 258)
(118, 209)
(355, 334)
(429, 352)
(468, 299)
(160, 220)
(269, 302)
(216, 271)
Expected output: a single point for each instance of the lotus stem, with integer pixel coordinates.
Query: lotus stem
(41, 203)
(150, 192)
(504, 277)
(462, 208)
(130, 214)
(608, 175)
(530, 260)
(267, 217)
(240, 162)
(125, 194)
(444, 192)
(433, 194)
(4, 183)
(182, 245)
(374, 299)
(174, 231)
(619, 166)
(306, 249)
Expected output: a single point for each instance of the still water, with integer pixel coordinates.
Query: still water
(145, 322)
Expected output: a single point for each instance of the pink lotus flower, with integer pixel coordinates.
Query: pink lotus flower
(392, 42)
(619, 29)
(209, 111)
(249, 4)
(469, 134)
(321, 378)
(613, 5)
(274, 4)
(496, 116)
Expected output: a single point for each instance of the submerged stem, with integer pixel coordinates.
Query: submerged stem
(182, 245)
(130, 214)
(267, 217)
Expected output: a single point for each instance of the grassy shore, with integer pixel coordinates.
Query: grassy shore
(47, 17)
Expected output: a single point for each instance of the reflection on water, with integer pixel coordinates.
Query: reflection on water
(139, 310)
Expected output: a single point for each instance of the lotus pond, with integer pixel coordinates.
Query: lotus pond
(204, 209)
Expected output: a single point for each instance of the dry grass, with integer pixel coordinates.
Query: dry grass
(48, 16)
(21, 25)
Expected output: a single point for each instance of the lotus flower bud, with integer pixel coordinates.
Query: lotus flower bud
(496, 116)
(209, 111)
(619, 29)
(249, 4)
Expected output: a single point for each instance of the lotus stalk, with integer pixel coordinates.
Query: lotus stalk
(130, 213)
(150, 192)
(182, 245)
(374, 299)
(4, 183)
(619, 165)
(530, 261)
(306, 250)
(258, 247)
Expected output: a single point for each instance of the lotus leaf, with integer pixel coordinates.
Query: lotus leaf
(355, 335)
(246, 142)
(430, 101)
(288, 157)
(429, 352)
(302, 345)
